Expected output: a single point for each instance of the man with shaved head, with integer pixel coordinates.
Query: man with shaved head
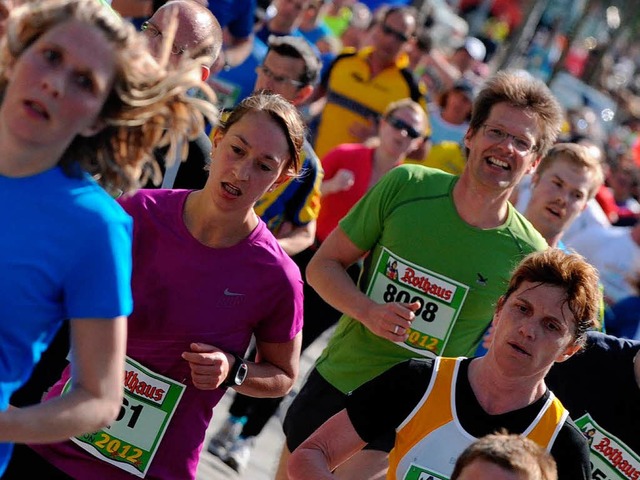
(197, 35)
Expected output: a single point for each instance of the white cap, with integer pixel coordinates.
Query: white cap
(475, 48)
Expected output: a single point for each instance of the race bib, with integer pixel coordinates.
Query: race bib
(132, 440)
(611, 459)
(441, 299)
(419, 473)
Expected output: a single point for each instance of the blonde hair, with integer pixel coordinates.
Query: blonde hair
(148, 106)
(406, 103)
(577, 155)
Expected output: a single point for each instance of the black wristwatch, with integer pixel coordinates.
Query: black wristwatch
(237, 374)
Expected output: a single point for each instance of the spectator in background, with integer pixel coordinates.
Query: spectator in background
(355, 31)
(504, 456)
(623, 181)
(360, 84)
(449, 118)
(285, 20)
(615, 252)
(442, 70)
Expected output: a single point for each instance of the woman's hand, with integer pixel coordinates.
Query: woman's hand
(209, 365)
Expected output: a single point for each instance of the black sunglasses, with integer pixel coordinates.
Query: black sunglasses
(399, 124)
(397, 35)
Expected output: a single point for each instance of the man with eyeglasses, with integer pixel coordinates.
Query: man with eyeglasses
(360, 84)
(282, 19)
(453, 239)
(291, 69)
(197, 33)
(235, 17)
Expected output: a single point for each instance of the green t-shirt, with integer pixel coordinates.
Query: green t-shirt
(419, 247)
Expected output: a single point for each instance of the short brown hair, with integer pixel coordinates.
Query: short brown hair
(569, 271)
(282, 112)
(520, 89)
(511, 452)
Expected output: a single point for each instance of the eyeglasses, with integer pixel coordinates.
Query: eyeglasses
(403, 126)
(152, 31)
(278, 78)
(401, 37)
(521, 145)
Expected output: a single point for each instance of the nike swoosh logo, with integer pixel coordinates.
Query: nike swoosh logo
(232, 294)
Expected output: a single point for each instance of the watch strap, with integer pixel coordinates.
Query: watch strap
(231, 376)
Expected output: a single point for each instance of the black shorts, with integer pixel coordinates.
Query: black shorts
(316, 403)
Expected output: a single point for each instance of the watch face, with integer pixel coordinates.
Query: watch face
(241, 374)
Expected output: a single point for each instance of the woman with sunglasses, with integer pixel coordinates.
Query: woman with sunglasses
(351, 169)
